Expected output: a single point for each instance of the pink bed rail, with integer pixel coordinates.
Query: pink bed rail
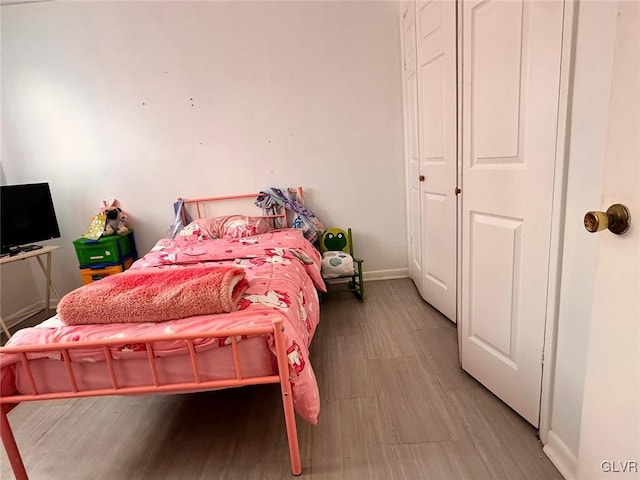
(199, 201)
(7, 403)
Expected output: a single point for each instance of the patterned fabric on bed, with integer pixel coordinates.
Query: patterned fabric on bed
(229, 227)
(283, 271)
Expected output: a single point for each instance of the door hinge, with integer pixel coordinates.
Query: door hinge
(458, 191)
(542, 357)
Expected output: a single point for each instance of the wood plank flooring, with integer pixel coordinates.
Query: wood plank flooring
(395, 405)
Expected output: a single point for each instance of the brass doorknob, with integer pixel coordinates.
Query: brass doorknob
(617, 219)
(421, 178)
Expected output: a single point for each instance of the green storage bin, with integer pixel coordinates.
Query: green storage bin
(111, 249)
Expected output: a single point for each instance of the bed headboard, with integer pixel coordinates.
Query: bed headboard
(241, 204)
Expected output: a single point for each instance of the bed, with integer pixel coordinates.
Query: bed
(263, 337)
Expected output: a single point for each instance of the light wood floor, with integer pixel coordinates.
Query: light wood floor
(395, 405)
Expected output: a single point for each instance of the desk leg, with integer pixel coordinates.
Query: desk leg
(4, 328)
(50, 285)
(48, 294)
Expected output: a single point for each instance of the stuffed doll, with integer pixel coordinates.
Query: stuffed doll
(115, 221)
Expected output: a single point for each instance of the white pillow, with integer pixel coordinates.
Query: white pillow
(336, 264)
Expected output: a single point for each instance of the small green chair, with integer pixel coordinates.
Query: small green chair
(336, 246)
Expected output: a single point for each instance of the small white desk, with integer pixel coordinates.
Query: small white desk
(46, 270)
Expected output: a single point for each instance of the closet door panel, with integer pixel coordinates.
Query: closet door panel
(412, 158)
(436, 54)
(511, 77)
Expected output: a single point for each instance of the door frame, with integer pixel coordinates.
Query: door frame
(570, 18)
(547, 355)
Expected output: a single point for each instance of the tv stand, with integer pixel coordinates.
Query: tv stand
(36, 253)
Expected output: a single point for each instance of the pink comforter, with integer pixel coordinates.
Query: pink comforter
(283, 271)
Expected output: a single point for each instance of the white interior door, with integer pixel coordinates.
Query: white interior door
(510, 80)
(436, 73)
(408, 26)
(610, 430)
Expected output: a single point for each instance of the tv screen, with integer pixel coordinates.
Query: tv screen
(26, 215)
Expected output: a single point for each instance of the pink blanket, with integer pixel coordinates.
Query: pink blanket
(155, 295)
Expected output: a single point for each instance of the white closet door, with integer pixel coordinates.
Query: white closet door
(436, 39)
(408, 26)
(510, 70)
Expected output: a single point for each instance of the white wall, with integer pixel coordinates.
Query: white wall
(148, 101)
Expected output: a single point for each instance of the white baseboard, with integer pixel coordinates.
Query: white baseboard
(386, 274)
(26, 312)
(560, 455)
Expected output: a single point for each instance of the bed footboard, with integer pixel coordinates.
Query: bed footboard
(155, 386)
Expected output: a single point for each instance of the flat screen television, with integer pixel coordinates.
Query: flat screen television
(26, 216)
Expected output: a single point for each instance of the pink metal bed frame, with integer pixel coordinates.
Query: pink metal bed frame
(198, 201)
(7, 403)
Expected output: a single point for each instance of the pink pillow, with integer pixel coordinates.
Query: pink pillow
(229, 227)
(240, 226)
(196, 231)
